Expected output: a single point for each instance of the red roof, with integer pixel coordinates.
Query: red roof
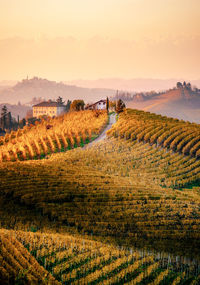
(49, 104)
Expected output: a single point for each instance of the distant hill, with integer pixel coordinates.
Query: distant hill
(25, 90)
(133, 85)
(180, 103)
(16, 110)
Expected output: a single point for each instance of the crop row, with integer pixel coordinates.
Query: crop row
(74, 260)
(179, 136)
(17, 264)
(111, 188)
(58, 134)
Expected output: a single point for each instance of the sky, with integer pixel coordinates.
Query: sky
(90, 39)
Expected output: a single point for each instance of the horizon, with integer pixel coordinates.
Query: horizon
(135, 85)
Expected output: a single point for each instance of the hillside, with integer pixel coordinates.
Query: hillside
(138, 189)
(131, 85)
(129, 176)
(177, 103)
(27, 89)
(17, 265)
(36, 258)
(58, 134)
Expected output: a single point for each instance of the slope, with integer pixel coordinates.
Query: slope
(17, 265)
(126, 188)
(177, 103)
(27, 89)
(115, 188)
(52, 135)
(40, 258)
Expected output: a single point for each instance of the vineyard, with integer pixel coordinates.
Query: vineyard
(114, 188)
(71, 210)
(35, 258)
(53, 135)
(173, 134)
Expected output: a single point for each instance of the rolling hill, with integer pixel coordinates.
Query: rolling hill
(27, 89)
(177, 103)
(131, 85)
(124, 211)
(36, 258)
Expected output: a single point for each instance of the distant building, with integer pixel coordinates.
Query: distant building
(49, 108)
(99, 105)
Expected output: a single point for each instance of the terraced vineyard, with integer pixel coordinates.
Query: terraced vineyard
(64, 259)
(124, 189)
(52, 135)
(115, 187)
(17, 264)
(174, 134)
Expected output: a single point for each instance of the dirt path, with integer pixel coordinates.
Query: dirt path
(103, 135)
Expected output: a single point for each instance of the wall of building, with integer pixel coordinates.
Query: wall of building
(101, 106)
(48, 111)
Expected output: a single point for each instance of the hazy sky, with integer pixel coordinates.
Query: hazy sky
(68, 39)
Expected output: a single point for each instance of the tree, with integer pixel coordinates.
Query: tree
(22, 123)
(8, 120)
(196, 89)
(4, 112)
(107, 104)
(179, 85)
(188, 86)
(60, 100)
(77, 105)
(112, 105)
(68, 105)
(120, 106)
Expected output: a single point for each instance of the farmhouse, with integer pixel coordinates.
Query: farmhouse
(99, 105)
(49, 108)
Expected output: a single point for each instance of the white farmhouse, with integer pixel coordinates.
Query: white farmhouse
(99, 105)
(49, 108)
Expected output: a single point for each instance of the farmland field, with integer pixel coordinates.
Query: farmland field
(125, 210)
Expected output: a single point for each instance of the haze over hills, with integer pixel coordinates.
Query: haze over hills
(178, 103)
(134, 84)
(17, 110)
(27, 89)
(6, 83)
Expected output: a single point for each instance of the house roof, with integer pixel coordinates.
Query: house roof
(49, 104)
(104, 101)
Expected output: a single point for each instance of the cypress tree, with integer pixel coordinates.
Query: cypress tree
(4, 111)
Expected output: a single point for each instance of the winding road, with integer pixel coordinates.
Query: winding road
(103, 134)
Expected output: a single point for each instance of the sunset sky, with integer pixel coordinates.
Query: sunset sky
(89, 39)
